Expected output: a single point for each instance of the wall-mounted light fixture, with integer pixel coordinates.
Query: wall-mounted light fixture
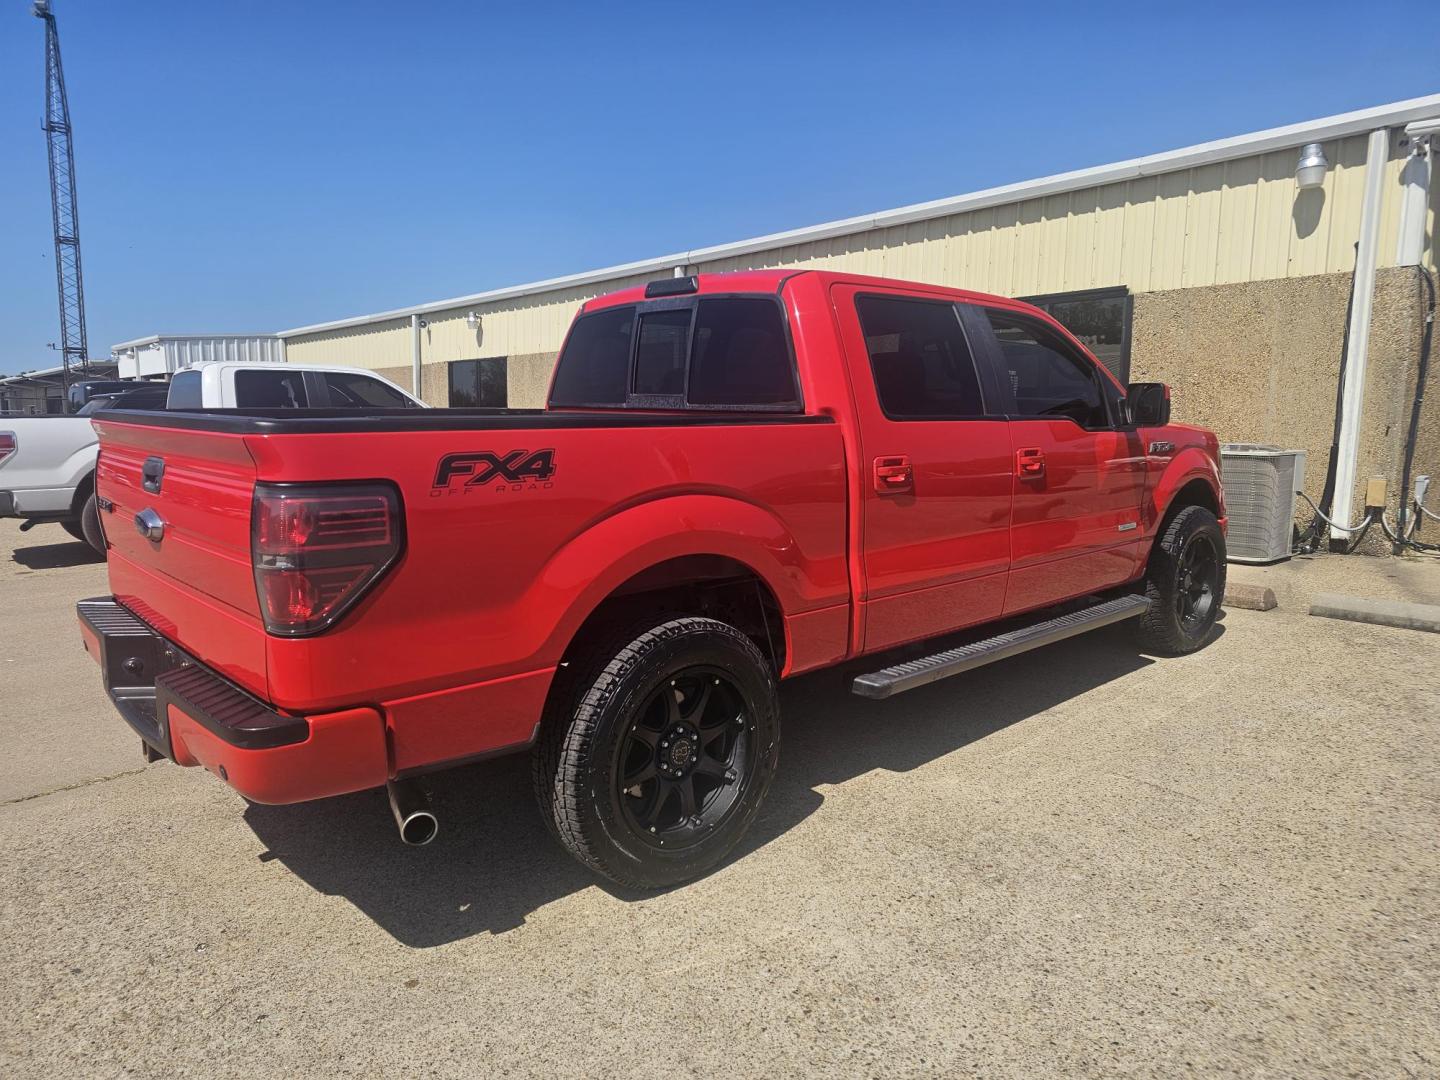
(472, 320)
(1310, 170)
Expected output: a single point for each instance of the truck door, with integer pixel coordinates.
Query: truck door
(936, 467)
(1079, 472)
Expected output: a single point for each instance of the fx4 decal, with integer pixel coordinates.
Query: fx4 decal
(512, 470)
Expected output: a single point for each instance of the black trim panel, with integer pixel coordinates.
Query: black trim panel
(320, 421)
(226, 711)
(144, 673)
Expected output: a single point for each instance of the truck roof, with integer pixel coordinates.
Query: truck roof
(771, 281)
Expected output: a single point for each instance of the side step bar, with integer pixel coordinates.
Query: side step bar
(928, 669)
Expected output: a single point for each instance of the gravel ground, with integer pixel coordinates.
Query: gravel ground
(1081, 862)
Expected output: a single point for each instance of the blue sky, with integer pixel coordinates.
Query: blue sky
(254, 166)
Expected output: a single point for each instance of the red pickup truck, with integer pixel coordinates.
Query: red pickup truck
(738, 478)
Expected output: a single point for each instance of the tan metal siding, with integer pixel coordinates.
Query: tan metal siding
(1224, 223)
(1236, 221)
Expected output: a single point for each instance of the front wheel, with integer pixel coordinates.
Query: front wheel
(1185, 583)
(659, 766)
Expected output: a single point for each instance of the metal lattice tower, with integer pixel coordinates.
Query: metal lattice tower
(63, 208)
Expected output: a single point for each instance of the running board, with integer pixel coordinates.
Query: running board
(928, 669)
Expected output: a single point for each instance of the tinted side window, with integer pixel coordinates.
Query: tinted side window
(1047, 377)
(1100, 319)
(740, 355)
(660, 352)
(922, 363)
(595, 361)
(185, 391)
(270, 390)
(350, 391)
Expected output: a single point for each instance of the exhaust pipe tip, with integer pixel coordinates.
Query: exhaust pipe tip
(419, 828)
(410, 806)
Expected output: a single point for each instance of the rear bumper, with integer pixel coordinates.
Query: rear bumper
(188, 713)
(52, 503)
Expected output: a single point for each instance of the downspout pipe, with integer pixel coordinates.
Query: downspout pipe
(1353, 389)
(415, 357)
(1415, 193)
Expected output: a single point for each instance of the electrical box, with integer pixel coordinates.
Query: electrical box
(1375, 498)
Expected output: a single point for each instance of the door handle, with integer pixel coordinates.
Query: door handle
(1030, 463)
(893, 475)
(152, 473)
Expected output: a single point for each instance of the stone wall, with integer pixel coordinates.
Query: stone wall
(1259, 362)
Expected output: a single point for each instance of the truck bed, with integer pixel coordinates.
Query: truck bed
(495, 576)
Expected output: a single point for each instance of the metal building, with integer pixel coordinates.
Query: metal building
(165, 354)
(1223, 268)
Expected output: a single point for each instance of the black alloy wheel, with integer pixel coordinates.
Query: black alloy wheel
(657, 749)
(686, 758)
(1185, 583)
(1195, 588)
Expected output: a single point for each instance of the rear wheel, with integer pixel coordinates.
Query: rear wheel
(90, 525)
(659, 767)
(1185, 583)
(74, 529)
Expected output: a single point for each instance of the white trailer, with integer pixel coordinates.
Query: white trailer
(165, 354)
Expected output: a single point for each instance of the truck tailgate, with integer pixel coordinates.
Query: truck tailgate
(195, 583)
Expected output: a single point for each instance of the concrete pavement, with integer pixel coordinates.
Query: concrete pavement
(1080, 862)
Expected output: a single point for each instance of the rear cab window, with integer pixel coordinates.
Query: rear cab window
(185, 391)
(594, 365)
(704, 352)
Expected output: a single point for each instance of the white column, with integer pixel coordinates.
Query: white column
(1353, 394)
(415, 357)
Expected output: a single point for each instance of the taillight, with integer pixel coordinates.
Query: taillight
(318, 548)
(7, 445)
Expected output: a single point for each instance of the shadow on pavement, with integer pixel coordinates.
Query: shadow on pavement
(54, 556)
(494, 863)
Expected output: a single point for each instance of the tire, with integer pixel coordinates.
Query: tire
(1185, 583)
(90, 525)
(660, 751)
(74, 529)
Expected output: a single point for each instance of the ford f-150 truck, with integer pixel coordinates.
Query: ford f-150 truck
(738, 478)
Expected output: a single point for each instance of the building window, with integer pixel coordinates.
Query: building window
(478, 384)
(1100, 318)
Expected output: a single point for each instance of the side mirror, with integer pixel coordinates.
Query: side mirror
(1148, 404)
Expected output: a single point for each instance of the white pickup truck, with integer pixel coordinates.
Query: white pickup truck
(47, 463)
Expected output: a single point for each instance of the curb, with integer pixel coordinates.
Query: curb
(1398, 613)
(1251, 597)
